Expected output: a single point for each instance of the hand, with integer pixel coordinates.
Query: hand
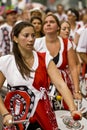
(76, 115)
(77, 96)
(7, 120)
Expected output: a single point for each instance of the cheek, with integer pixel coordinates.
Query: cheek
(44, 29)
(40, 26)
(21, 40)
(62, 33)
(56, 28)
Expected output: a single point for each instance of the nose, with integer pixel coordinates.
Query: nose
(48, 23)
(67, 30)
(30, 38)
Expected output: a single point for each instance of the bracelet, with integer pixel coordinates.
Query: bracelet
(77, 91)
(6, 114)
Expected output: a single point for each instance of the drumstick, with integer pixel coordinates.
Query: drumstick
(19, 121)
(83, 109)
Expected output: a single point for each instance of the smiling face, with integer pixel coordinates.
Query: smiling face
(50, 25)
(65, 29)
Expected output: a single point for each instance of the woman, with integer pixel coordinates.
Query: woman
(55, 45)
(37, 23)
(27, 97)
(64, 33)
(73, 18)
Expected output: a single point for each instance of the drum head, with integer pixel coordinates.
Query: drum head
(19, 102)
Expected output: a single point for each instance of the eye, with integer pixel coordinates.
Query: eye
(33, 35)
(26, 35)
(52, 21)
(63, 29)
(44, 22)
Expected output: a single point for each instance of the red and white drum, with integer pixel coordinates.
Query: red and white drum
(65, 121)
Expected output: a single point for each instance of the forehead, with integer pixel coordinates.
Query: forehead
(70, 13)
(65, 24)
(36, 20)
(35, 13)
(59, 7)
(50, 18)
(27, 29)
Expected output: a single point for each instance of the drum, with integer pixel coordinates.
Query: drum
(66, 122)
(20, 102)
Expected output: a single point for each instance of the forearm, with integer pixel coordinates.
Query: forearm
(7, 117)
(83, 57)
(69, 98)
(75, 78)
(3, 109)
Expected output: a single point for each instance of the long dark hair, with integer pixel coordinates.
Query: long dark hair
(24, 70)
(38, 18)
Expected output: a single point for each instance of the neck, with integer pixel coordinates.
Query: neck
(51, 39)
(28, 56)
(37, 34)
(10, 23)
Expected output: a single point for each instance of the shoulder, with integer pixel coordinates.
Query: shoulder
(3, 25)
(39, 43)
(6, 62)
(6, 59)
(83, 34)
(39, 40)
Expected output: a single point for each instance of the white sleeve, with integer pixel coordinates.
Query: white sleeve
(36, 44)
(82, 44)
(2, 64)
(5, 62)
(79, 30)
(69, 45)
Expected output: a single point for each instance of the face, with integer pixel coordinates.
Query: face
(65, 30)
(37, 24)
(26, 15)
(50, 25)
(71, 16)
(26, 39)
(85, 19)
(60, 9)
(12, 17)
(36, 13)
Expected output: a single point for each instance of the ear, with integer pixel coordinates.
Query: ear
(58, 28)
(15, 39)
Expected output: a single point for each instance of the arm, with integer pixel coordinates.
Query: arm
(82, 43)
(83, 57)
(61, 86)
(74, 72)
(76, 39)
(7, 116)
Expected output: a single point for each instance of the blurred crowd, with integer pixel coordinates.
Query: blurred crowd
(64, 39)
